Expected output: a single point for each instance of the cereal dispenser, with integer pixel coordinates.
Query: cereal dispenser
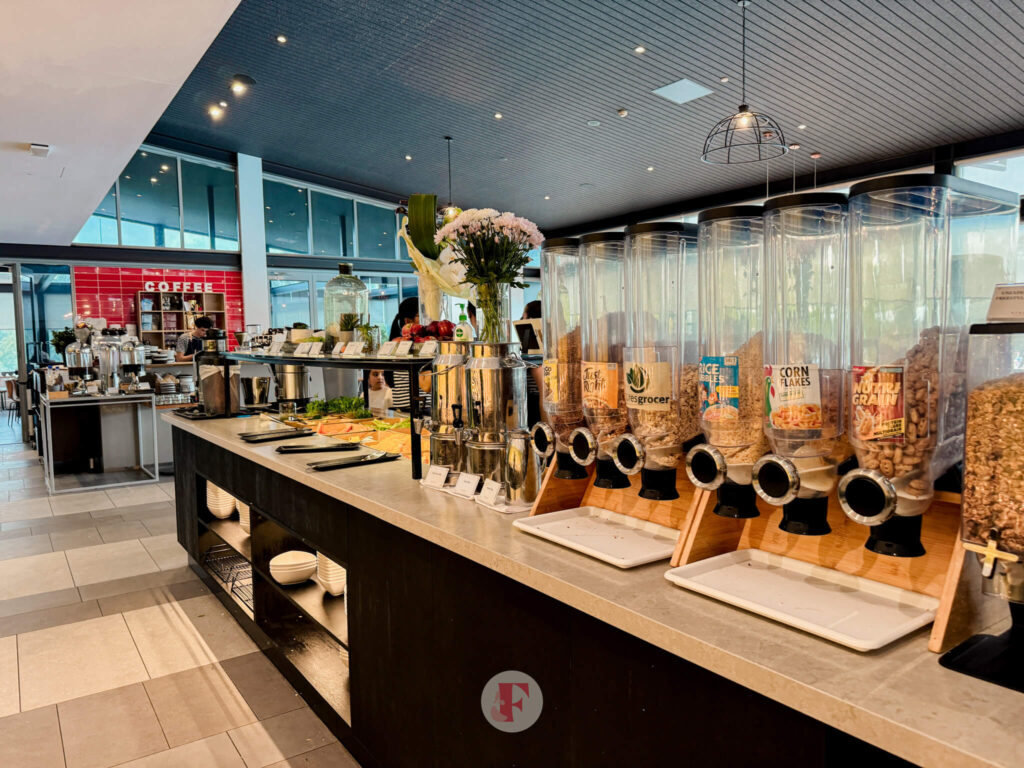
(926, 251)
(993, 495)
(603, 331)
(563, 397)
(661, 261)
(731, 375)
(804, 355)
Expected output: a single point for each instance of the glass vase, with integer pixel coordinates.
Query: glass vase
(493, 306)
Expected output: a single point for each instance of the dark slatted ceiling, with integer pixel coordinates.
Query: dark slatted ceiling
(361, 84)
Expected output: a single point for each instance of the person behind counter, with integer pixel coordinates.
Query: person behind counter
(192, 342)
(534, 376)
(408, 312)
(380, 394)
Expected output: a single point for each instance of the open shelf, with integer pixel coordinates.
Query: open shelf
(318, 605)
(317, 656)
(231, 533)
(229, 577)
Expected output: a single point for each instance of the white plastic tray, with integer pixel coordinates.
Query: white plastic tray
(615, 538)
(850, 610)
(503, 508)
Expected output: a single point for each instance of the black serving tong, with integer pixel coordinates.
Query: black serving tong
(353, 461)
(308, 448)
(274, 434)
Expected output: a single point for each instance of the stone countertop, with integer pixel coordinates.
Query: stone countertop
(898, 698)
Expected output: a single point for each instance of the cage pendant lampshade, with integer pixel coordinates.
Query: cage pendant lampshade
(746, 137)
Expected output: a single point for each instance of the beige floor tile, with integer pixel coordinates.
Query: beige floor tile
(15, 533)
(110, 728)
(144, 598)
(135, 583)
(198, 703)
(332, 756)
(106, 562)
(70, 522)
(27, 494)
(87, 501)
(34, 481)
(263, 687)
(32, 509)
(176, 636)
(48, 617)
(34, 574)
(281, 737)
(166, 551)
(214, 752)
(31, 740)
(28, 545)
(21, 454)
(144, 512)
(16, 606)
(75, 538)
(13, 484)
(121, 531)
(167, 488)
(159, 526)
(10, 700)
(137, 494)
(74, 660)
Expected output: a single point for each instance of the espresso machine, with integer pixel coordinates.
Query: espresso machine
(79, 358)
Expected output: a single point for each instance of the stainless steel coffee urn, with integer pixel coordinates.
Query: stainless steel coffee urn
(448, 387)
(108, 353)
(292, 384)
(495, 405)
(132, 363)
(79, 358)
(524, 469)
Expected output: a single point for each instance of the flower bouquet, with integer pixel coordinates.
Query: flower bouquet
(492, 248)
(433, 261)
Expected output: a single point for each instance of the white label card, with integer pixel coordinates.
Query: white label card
(387, 348)
(429, 349)
(277, 337)
(1007, 302)
(315, 348)
(467, 484)
(436, 476)
(112, 390)
(491, 491)
(404, 347)
(339, 348)
(275, 348)
(143, 386)
(354, 348)
(303, 349)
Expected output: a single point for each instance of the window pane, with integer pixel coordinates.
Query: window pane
(289, 302)
(1002, 172)
(149, 201)
(333, 224)
(383, 301)
(377, 232)
(101, 228)
(211, 213)
(286, 213)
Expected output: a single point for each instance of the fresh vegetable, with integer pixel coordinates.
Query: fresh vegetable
(381, 426)
(316, 408)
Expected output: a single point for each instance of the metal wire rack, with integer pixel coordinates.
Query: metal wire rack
(227, 565)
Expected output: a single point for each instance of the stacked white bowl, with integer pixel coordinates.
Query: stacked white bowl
(220, 503)
(331, 576)
(243, 515)
(293, 567)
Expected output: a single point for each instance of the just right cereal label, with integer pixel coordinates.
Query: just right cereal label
(600, 385)
(792, 396)
(878, 406)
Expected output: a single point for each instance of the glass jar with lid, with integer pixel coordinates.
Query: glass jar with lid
(346, 307)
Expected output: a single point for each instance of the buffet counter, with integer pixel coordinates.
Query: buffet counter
(898, 699)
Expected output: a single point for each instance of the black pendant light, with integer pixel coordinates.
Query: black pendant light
(746, 137)
(450, 211)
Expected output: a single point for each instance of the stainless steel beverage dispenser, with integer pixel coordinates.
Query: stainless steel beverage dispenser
(448, 397)
(495, 405)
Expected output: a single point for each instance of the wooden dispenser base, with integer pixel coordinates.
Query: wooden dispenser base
(557, 494)
(939, 573)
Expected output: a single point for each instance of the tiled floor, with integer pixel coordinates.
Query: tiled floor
(112, 651)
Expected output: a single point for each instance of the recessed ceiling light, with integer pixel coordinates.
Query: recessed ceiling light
(593, 123)
(143, 154)
(801, 126)
(139, 194)
(586, 185)
(216, 112)
(639, 49)
(240, 84)
(723, 79)
(282, 39)
(650, 168)
(794, 146)
(165, 167)
(815, 155)
(268, 207)
(223, 103)
(408, 158)
(503, 159)
(547, 197)
(153, 179)
(622, 112)
(498, 115)
(127, 176)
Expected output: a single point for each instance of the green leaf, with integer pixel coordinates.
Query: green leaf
(423, 224)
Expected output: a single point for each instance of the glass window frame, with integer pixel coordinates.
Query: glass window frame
(351, 196)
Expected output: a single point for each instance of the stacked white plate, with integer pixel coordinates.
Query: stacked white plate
(220, 503)
(293, 567)
(331, 576)
(243, 514)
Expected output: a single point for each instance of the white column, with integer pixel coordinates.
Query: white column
(255, 285)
